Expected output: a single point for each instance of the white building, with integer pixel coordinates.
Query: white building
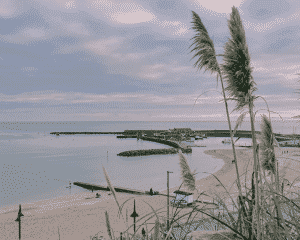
(186, 196)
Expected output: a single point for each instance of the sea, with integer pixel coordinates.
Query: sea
(36, 165)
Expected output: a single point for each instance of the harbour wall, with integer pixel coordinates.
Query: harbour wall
(147, 152)
(176, 146)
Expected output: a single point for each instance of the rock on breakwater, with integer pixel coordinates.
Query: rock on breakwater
(184, 148)
(148, 152)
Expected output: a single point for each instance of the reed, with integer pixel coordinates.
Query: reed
(187, 176)
(111, 187)
(240, 86)
(108, 225)
(207, 58)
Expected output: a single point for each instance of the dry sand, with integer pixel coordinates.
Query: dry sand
(81, 216)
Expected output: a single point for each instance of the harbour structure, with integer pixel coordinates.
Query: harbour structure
(183, 197)
(95, 187)
(182, 130)
(178, 134)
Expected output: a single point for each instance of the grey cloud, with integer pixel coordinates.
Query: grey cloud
(29, 69)
(266, 9)
(282, 39)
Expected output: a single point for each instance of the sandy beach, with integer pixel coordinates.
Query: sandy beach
(81, 216)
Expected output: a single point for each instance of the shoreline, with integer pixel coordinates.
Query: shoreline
(82, 210)
(81, 215)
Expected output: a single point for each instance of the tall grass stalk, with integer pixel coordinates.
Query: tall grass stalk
(111, 187)
(269, 163)
(240, 86)
(115, 197)
(205, 52)
(186, 173)
(156, 230)
(108, 225)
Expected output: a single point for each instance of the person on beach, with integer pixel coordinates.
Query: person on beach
(143, 232)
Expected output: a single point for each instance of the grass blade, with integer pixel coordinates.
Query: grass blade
(156, 230)
(108, 225)
(111, 188)
(239, 122)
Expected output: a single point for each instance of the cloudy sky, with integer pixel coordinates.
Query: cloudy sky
(129, 59)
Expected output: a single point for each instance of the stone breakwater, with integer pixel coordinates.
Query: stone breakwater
(176, 147)
(162, 141)
(147, 152)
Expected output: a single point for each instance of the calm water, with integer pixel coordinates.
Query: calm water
(36, 165)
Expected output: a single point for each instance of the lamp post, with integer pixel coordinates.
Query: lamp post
(19, 220)
(134, 215)
(168, 203)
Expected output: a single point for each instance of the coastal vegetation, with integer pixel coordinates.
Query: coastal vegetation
(262, 208)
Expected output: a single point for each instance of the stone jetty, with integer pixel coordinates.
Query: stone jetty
(147, 152)
(176, 147)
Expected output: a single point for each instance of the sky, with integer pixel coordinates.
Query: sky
(119, 60)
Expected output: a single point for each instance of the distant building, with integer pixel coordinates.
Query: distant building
(181, 130)
(181, 195)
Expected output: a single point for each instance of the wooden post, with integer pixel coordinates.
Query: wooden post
(20, 229)
(168, 203)
(134, 215)
(19, 220)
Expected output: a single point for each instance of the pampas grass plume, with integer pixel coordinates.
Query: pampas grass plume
(203, 47)
(186, 173)
(267, 145)
(236, 67)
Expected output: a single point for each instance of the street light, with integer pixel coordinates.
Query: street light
(168, 201)
(20, 214)
(134, 215)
